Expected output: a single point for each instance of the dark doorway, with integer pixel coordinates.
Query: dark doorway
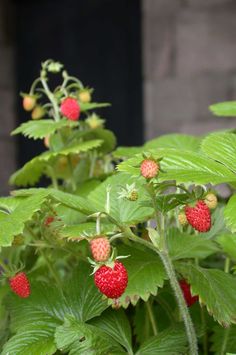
(100, 42)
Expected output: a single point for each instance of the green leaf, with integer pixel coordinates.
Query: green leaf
(183, 246)
(82, 295)
(222, 148)
(218, 224)
(216, 289)
(122, 210)
(115, 323)
(92, 105)
(227, 108)
(34, 339)
(187, 166)
(230, 215)
(170, 341)
(39, 129)
(73, 149)
(219, 346)
(31, 172)
(76, 202)
(76, 338)
(145, 271)
(107, 136)
(228, 244)
(46, 310)
(176, 141)
(126, 152)
(14, 223)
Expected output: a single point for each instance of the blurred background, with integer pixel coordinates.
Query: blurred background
(160, 63)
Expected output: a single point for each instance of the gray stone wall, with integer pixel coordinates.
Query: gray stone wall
(7, 101)
(189, 62)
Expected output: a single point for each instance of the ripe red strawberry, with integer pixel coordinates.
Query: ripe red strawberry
(199, 216)
(48, 220)
(70, 108)
(111, 281)
(149, 168)
(185, 287)
(29, 102)
(20, 285)
(100, 248)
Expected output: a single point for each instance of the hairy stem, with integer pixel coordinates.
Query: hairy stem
(190, 331)
(52, 99)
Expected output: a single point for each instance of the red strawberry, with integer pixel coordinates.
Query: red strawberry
(185, 287)
(20, 285)
(149, 168)
(111, 281)
(100, 248)
(29, 102)
(48, 220)
(70, 108)
(199, 216)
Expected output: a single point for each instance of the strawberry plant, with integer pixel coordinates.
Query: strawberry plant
(129, 250)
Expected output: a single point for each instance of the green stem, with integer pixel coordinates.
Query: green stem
(151, 317)
(167, 308)
(51, 98)
(51, 268)
(4, 266)
(190, 331)
(33, 86)
(53, 178)
(73, 183)
(204, 330)
(227, 265)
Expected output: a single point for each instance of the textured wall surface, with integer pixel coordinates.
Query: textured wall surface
(7, 102)
(189, 56)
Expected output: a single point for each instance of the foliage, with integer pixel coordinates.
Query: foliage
(96, 189)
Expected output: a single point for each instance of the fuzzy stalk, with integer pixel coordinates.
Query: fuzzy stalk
(190, 331)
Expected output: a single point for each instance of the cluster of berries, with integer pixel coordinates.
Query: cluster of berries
(30, 104)
(69, 106)
(110, 277)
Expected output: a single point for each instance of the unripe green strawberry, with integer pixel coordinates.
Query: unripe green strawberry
(149, 168)
(94, 121)
(37, 113)
(85, 96)
(100, 248)
(182, 219)
(20, 285)
(29, 102)
(111, 281)
(211, 200)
